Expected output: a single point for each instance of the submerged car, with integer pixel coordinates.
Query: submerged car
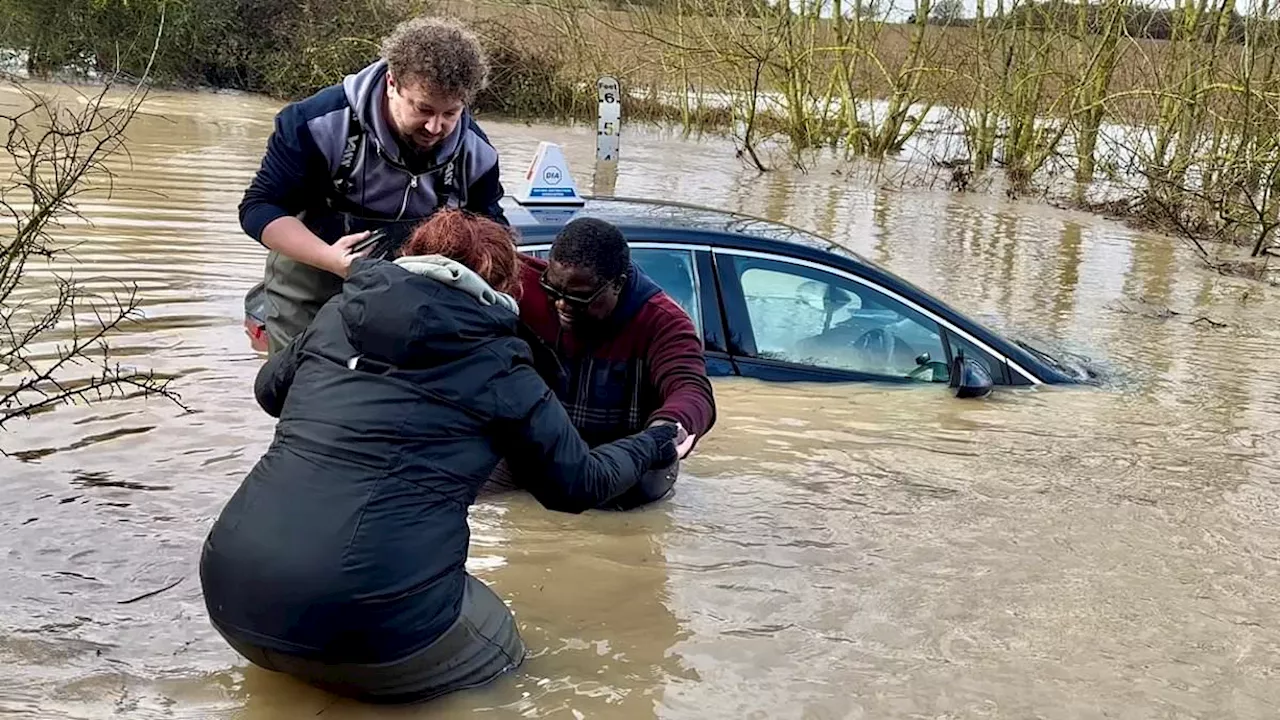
(777, 303)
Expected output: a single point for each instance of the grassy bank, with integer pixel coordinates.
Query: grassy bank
(1175, 113)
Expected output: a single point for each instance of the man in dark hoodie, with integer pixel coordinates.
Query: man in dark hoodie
(381, 151)
(630, 355)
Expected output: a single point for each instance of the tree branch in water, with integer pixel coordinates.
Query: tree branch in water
(57, 152)
(151, 594)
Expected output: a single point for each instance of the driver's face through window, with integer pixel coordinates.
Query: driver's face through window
(811, 317)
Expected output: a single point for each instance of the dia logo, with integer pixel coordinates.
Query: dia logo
(552, 175)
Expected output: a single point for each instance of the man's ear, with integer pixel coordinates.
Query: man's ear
(391, 81)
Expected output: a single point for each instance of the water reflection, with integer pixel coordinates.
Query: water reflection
(591, 598)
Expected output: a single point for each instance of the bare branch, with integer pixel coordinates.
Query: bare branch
(58, 151)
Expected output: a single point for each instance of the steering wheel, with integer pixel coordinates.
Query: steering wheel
(883, 348)
(876, 346)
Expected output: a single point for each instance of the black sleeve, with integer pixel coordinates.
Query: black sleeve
(292, 174)
(271, 387)
(485, 192)
(542, 446)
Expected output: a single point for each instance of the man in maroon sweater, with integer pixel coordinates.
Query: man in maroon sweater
(630, 355)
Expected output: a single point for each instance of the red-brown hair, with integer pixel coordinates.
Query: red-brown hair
(484, 246)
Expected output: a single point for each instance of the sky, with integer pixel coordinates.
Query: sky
(900, 9)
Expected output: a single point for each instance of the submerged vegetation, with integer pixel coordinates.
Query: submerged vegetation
(1169, 117)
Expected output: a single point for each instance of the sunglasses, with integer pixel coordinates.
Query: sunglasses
(579, 302)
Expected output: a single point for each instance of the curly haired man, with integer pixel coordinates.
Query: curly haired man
(380, 151)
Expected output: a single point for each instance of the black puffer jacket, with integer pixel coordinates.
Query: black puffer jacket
(347, 541)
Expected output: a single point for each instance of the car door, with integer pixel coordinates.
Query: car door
(685, 273)
(794, 320)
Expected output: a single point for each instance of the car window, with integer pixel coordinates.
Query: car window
(674, 271)
(811, 317)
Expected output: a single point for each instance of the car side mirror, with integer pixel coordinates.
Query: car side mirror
(970, 378)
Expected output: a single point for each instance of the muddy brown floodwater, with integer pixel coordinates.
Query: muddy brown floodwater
(832, 552)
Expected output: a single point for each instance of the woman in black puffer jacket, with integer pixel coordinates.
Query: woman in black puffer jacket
(341, 558)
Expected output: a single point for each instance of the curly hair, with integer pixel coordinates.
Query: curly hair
(486, 247)
(440, 54)
(592, 244)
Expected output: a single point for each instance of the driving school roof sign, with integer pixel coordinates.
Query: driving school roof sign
(548, 181)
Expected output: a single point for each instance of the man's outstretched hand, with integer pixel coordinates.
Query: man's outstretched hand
(682, 449)
(340, 255)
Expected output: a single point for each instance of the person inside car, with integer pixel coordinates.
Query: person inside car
(631, 356)
(341, 557)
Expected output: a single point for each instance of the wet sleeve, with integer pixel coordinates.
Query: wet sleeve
(678, 368)
(554, 463)
(286, 180)
(271, 387)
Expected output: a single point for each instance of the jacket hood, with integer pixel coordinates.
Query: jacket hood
(421, 312)
(455, 274)
(366, 90)
(638, 291)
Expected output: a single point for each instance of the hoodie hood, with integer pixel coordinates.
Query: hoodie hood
(366, 91)
(421, 312)
(455, 274)
(638, 291)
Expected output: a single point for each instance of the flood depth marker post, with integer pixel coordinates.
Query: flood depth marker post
(608, 134)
